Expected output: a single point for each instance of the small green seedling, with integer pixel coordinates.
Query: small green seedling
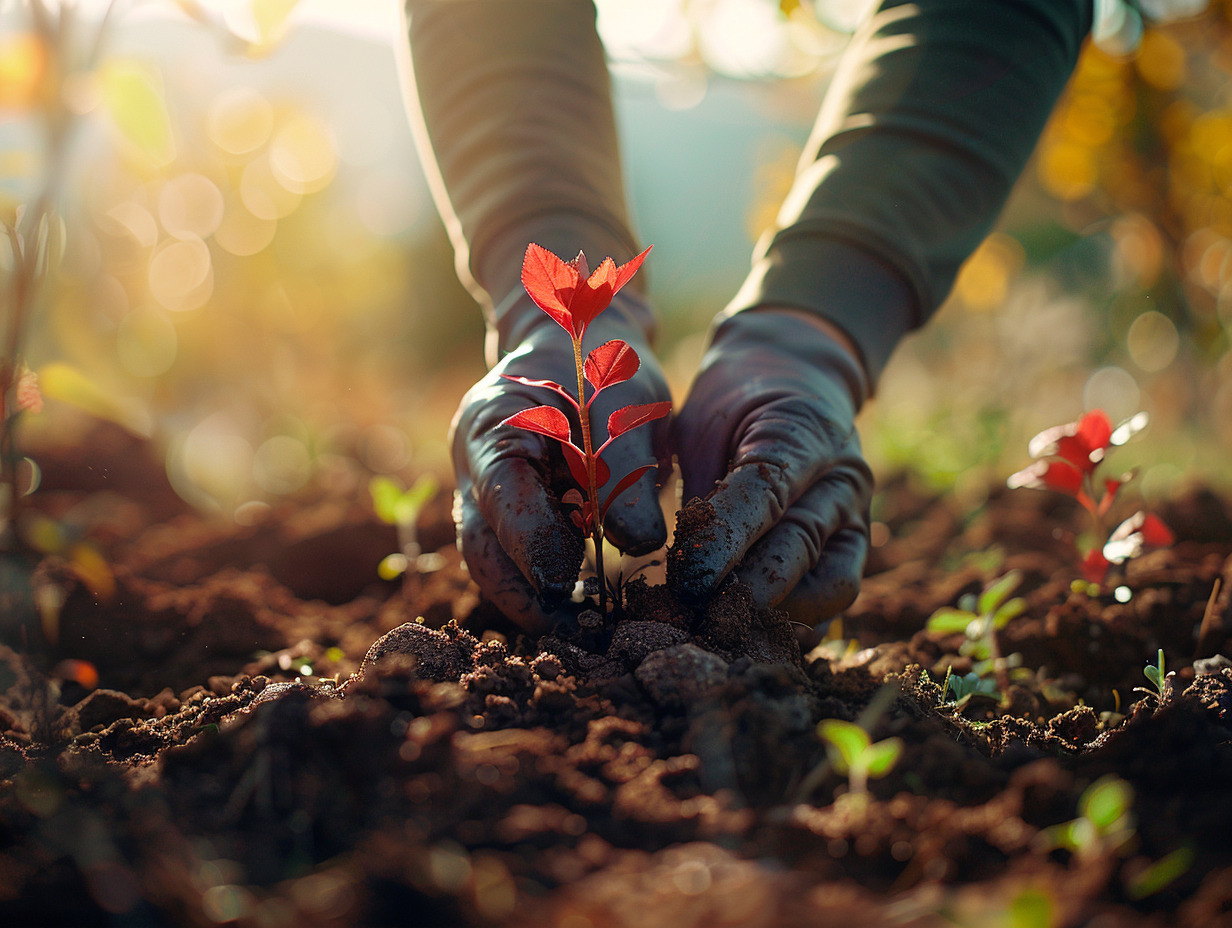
(401, 507)
(1160, 677)
(1105, 822)
(959, 690)
(980, 618)
(853, 753)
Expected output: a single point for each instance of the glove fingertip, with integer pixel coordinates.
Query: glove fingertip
(701, 552)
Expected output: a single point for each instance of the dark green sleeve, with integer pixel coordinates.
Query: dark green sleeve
(933, 113)
(518, 134)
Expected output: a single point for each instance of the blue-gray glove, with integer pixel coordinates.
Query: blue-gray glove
(766, 437)
(521, 547)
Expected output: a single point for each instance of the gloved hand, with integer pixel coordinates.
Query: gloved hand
(520, 546)
(769, 419)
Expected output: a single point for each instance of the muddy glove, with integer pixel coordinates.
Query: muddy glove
(519, 544)
(769, 419)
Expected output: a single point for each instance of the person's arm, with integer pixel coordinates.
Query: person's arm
(515, 125)
(930, 119)
(518, 138)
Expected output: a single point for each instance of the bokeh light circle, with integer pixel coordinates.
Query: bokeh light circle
(190, 206)
(1153, 341)
(181, 274)
(239, 120)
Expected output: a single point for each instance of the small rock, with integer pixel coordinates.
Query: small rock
(440, 655)
(683, 674)
(1214, 664)
(634, 641)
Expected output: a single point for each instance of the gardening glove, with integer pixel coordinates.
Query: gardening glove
(766, 436)
(522, 549)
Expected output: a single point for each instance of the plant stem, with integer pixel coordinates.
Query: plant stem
(588, 447)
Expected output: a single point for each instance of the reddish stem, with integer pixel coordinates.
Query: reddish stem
(596, 530)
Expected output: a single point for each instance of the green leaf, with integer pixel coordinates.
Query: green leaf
(385, 492)
(412, 502)
(881, 757)
(132, 93)
(1161, 874)
(1156, 672)
(1106, 802)
(1009, 611)
(992, 598)
(949, 621)
(848, 740)
(65, 383)
(392, 567)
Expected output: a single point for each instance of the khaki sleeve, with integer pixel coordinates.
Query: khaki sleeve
(517, 133)
(931, 117)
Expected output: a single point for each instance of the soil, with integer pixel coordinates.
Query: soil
(277, 737)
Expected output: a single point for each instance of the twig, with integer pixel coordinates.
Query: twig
(1207, 629)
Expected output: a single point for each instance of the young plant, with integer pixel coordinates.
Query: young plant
(1105, 822)
(401, 507)
(1067, 458)
(573, 297)
(852, 752)
(980, 618)
(1160, 677)
(960, 690)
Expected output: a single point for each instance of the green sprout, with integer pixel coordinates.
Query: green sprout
(980, 618)
(1160, 677)
(853, 753)
(959, 690)
(1105, 822)
(401, 507)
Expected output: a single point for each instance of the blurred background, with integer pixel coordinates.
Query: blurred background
(253, 275)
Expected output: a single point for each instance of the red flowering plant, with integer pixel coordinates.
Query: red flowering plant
(574, 297)
(1067, 459)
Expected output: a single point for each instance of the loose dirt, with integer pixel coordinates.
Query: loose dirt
(276, 737)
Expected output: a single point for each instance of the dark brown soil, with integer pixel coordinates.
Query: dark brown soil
(277, 738)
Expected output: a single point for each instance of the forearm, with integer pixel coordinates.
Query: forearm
(518, 133)
(930, 119)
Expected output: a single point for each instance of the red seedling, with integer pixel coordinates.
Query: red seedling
(574, 297)
(1067, 457)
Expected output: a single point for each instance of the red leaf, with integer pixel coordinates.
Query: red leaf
(595, 292)
(1095, 566)
(576, 459)
(551, 283)
(611, 363)
(617, 277)
(544, 420)
(1054, 475)
(1085, 441)
(548, 384)
(579, 264)
(1155, 533)
(625, 482)
(1081, 443)
(564, 291)
(1136, 534)
(630, 417)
